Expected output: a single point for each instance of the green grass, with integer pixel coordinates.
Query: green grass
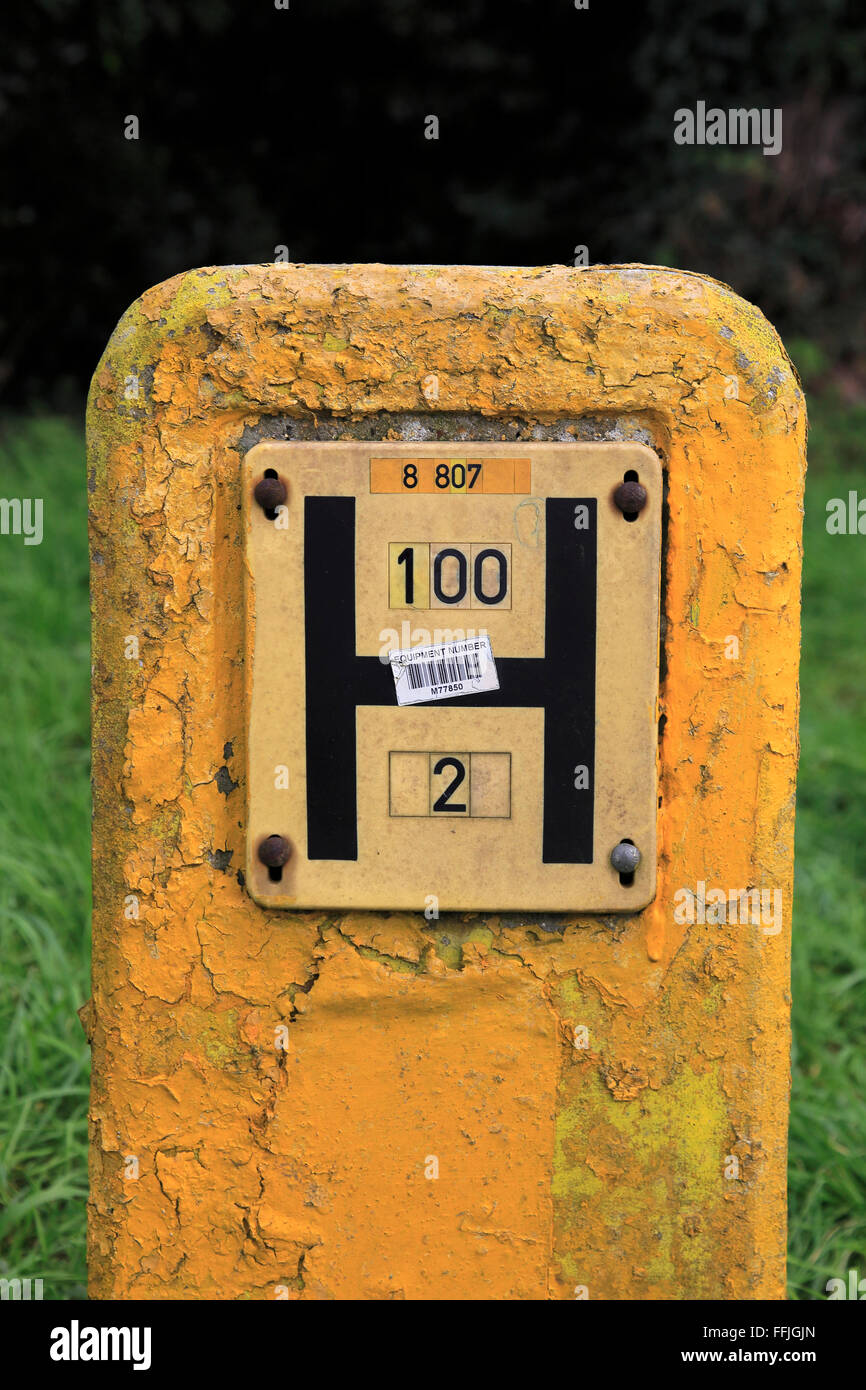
(44, 863)
(827, 1166)
(44, 871)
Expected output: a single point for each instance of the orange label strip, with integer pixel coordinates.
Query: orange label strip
(474, 476)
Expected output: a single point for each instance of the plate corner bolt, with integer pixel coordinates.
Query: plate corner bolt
(631, 497)
(270, 491)
(275, 851)
(625, 857)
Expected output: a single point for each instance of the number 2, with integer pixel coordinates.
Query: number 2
(442, 803)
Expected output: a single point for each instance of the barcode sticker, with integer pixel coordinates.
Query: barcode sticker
(444, 671)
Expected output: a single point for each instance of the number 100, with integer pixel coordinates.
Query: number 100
(474, 575)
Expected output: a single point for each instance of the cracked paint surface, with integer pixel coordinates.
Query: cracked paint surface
(582, 1083)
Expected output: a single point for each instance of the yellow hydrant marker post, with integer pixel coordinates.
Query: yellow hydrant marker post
(446, 630)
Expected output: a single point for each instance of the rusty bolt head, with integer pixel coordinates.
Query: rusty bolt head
(625, 857)
(275, 851)
(630, 498)
(270, 493)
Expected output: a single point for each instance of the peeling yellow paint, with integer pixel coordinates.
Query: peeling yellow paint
(582, 1083)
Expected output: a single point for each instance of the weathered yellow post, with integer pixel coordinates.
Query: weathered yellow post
(442, 911)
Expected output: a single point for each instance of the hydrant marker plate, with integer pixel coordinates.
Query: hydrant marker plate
(502, 799)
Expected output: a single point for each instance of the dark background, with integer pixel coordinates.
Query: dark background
(261, 127)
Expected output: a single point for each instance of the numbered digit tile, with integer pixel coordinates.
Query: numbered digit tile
(408, 784)
(490, 779)
(458, 475)
(490, 576)
(408, 574)
(450, 575)
(475, 475)
(449, 784)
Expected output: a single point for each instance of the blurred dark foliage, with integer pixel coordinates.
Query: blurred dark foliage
(305, 127)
